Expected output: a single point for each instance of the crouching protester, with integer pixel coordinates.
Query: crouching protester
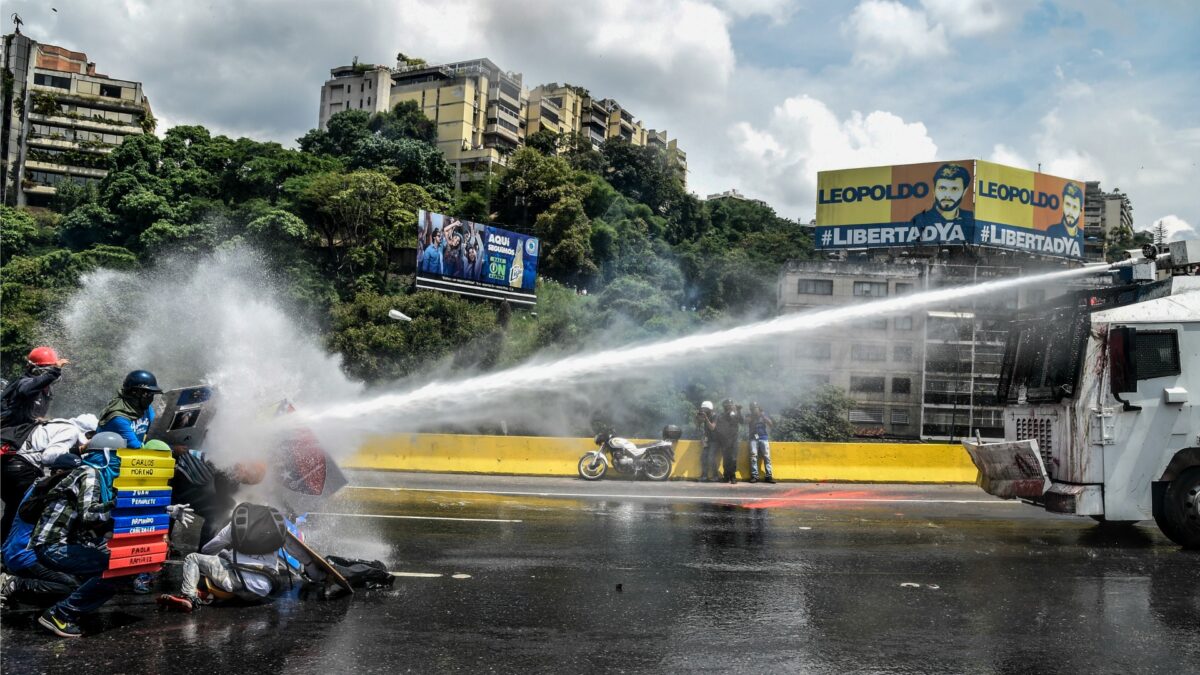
(25, 579)
(210, 489)
(243, 561)
(71, 535)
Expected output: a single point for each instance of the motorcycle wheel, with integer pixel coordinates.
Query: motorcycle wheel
(590, 471)
(657, 466)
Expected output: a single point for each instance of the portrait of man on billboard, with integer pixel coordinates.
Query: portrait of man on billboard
(1072, 208)
(950, 184)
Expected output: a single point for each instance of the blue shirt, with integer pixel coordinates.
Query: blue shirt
(431, 259)
(133, 431)
(17, 557)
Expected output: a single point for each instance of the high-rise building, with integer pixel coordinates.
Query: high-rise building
(483, 113)
(1106, 215)
(479, 109)
(61, 118)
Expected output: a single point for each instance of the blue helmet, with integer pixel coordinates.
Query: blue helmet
(141, 381)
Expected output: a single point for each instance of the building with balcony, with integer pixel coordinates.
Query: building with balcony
(479, 109)
(1106, 216)
(931, 373)
(61, 119)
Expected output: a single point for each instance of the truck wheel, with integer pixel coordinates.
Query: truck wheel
(1181, 510)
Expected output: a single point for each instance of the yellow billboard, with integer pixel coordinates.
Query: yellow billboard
(959, 202)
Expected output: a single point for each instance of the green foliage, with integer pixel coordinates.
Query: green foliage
(820, 415)
(532, 183)
(20, 234)
(377, 348)
(405, 121)
(544, 141)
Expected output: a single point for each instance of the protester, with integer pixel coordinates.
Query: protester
(759, 425)
(70, 534)
(208, 489)
(249, 570)
(131, 412)
(27, 398)
(727, 438)
(25, 579)
(45, 443)
(706, 423)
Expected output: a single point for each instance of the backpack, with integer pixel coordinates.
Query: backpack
(257, 529)
(362, 573)
(40, 496)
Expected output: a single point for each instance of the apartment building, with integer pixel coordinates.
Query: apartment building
(927, 374)
(61, 118)
(1106, 215)
(483, 113)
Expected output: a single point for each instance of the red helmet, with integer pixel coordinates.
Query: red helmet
(43, 356)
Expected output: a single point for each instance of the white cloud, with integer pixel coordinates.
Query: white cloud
(886, 31)
(970, 18)
(1176, 228)
(803, 136)
(1002, 154)
(779, 11)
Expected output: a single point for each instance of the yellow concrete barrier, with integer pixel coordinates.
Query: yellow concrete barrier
(541, 456)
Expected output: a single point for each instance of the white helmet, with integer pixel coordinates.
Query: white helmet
(707, 405)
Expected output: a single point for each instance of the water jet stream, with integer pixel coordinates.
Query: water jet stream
(548, 376)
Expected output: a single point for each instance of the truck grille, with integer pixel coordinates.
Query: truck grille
(1038, 429)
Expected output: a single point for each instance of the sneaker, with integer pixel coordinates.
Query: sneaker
(60, 627)
(733, 481)
(754, 479)
(143, 583)
(7, 583)
(178, 603)
(770, 480)
(703, 479)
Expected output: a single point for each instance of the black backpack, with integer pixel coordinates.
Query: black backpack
(30, 510)
(362, 573)
(257, 529)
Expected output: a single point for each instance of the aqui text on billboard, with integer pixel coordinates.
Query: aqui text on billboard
(460, 256)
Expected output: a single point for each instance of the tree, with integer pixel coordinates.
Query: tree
(544, 141)
(404, 121)
(822, 415)
(342, 133)
(531, 184)
(565, 234)
(641, 173)
(19, 234)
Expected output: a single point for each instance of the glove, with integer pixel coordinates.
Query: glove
(183, 514)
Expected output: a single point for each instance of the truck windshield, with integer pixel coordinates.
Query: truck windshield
(1043, 356)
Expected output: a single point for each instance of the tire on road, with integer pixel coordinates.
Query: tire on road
(658, 466)
(1180, 519)
(589, 472)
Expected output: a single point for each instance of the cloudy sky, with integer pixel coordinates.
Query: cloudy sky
(761, 93)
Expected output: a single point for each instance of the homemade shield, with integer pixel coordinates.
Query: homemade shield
(1011, 469)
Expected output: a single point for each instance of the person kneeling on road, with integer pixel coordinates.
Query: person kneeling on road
(242, 561)
(25, 579)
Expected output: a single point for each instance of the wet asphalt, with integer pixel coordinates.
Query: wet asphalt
(519, 575)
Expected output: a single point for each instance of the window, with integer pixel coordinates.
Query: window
(902, 288)
(904, 323)
(347, 105)
(870, 289)
(110, 90)
(860, 352)
(368, 101)
(901, 385)
(814, 287)
(899, 417)
(874, 324)
(867, 415)
(362, 86)
(902, 353)
(347, 88)
(1156, 354)
(52, 81)
(814, 350)
(865, 383)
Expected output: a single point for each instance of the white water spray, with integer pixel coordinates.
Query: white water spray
(479, 392)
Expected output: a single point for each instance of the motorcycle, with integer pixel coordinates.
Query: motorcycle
(653, 460)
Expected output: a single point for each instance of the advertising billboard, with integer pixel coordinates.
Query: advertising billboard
(950, 203)
(459, 256)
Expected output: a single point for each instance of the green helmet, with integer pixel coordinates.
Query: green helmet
(106, 440)
(156, 445)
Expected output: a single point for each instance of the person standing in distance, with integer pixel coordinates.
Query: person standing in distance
(759, 425)
(706, 422)
(728, 423)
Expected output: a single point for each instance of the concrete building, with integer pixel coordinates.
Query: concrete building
(483, 113)
(929, 374)
(734, 194)
(1106, 215)
(479, 109)
(60, 119)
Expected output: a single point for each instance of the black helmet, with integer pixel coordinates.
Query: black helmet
(141, 381)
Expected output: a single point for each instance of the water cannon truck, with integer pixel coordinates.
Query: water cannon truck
(1101, 390)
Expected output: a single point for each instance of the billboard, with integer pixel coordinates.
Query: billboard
(950, 203)
(459, 256)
